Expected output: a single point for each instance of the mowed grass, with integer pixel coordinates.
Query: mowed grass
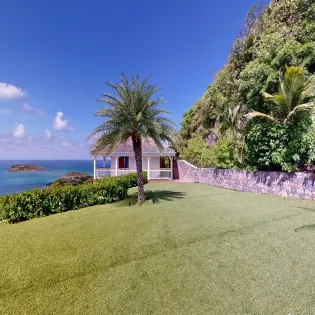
(197, 250)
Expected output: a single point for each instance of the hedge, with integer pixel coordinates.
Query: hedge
(40, 202)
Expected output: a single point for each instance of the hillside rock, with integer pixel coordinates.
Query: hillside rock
(73, 178)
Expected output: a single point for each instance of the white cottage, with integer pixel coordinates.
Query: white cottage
(158, 164)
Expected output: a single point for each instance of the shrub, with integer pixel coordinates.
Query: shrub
(283, 147)
(198, 152)
(130, 179)
(73, 178)
(40, 202)
(224, 153)
(219, 155)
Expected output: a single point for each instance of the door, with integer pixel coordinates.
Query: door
(121, 162)
(164, 162)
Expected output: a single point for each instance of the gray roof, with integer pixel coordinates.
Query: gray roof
(149, 148)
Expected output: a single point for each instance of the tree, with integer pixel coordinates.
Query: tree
(296, 93)
(132, 113)
(283, 144)
(230, 118)
(230, 121)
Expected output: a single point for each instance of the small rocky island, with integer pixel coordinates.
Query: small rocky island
(73, 178)
(25, 168)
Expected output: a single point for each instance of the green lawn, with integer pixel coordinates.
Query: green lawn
(197, 250)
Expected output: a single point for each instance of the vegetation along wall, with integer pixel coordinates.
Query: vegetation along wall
(257, 113)
(297, 185)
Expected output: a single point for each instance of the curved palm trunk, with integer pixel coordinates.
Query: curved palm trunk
(137, 148)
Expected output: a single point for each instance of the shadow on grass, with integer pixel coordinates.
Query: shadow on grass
(304, 208)
(153, 197)
(310, 227)
(307, 227)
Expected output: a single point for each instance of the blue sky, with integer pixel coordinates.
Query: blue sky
(56, 56)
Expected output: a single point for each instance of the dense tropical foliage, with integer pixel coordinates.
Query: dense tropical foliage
(296, 93)
(133, 113)
(258, 113)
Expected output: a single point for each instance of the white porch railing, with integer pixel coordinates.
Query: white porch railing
(104, 172)
(152, 174)
(160, 174)
(125, 171)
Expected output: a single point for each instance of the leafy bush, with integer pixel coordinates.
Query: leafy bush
(224, 153)
(220, 155)
(40, 202)
(283, 147)
(63, 182)
(264, 140)
(131, 179)
(198, 153)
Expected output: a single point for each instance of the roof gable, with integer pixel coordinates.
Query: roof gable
(149, 148)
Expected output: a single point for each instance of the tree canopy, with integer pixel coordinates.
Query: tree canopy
(132, 112)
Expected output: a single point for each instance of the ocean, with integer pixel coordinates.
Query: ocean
(16, 182)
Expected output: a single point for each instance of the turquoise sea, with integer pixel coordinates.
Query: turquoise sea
(17, 182)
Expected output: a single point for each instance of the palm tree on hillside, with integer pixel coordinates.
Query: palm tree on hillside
(131, 112)
(230, 121)
(296, 93)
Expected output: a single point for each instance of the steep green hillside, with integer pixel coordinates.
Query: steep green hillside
(274, 38)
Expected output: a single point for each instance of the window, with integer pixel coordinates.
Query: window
(165, 162)
(123, 162)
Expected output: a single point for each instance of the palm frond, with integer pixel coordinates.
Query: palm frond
(305, 61)
(108, 97)
(144, 82)
(107, 126)
(117, 88)
(252, 115)
(106, 140)
(157, 102)
(302, 107)
(131, 110)
(267, 96)
(236, 110)
(106, 112)
(295, 89)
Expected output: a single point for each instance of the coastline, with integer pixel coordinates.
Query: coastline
(16, 182)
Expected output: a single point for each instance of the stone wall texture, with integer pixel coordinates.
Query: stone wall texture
(296, 185)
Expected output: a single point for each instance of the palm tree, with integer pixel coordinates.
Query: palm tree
(296, 93)
(132, 113)
(230, 120)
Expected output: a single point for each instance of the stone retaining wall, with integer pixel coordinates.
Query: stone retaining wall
(297, 185)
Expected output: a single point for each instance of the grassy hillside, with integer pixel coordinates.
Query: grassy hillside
(197, 250)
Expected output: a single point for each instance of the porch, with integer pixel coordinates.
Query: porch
(157, 167)
(157, 163)
(153, 174)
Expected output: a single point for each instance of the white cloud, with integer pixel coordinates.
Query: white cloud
(65, 143)
(38, 147)
(92, 139)
(8, 91)
(19, 131)
(28, 108)
(61, 124)
(48, 133)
